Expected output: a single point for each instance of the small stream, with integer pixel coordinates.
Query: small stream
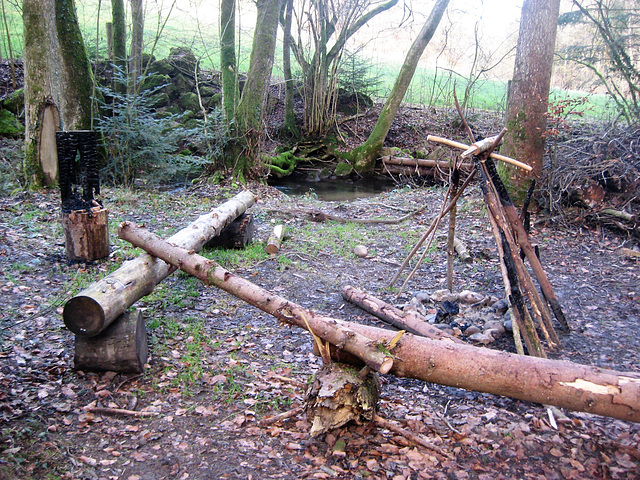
(334, 190)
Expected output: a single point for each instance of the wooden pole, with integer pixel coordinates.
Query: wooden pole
(213, 274)
(96, 307)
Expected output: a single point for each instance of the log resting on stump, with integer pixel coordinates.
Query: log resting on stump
(97, 306)
(540, 380)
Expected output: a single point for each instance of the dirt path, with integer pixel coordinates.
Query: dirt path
(217, 366)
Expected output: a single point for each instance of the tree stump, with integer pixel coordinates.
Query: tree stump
(122, 347)
(86, 234)
(338, 395)
(238, 234)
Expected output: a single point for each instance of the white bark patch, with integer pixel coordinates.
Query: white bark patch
(585, 385)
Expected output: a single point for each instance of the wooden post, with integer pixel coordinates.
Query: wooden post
(86, 234)
(120, 348)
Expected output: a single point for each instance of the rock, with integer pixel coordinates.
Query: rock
(482, 338)
(472, 330)
(361, 251)
(495, 325)
(443, 295)
(508, 326)
(444, 327)
(423, 297)
(494, 333)
(467, 296)
(501, 306)
(417, 305)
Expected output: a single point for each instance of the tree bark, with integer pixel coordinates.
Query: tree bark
(238, 234)
(551, 382)
(86, 234)
(410, 322)
(96, 307)
(228, 66)
(41, 88)
(425, 162)
(75, 69)
(119, 45)
(213, 274)
(528, 98)
(137, 43)
(289, 115)
(250, 108)
(120, 348)
(364, 156)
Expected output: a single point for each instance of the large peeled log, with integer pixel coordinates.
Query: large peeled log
(97, 306)
(338, 395)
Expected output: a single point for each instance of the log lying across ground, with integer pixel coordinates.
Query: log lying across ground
(96, 307)
(213, 274)
(551, 382)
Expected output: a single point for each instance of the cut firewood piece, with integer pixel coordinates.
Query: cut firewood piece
(238, 234)
(97, 306)
(122, 347)
(338, 395)
(211, 273)
(461, 250)
(275, 239)
(411, 322)
(86, 234)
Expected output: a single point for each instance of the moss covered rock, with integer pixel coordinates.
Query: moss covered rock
(14, 102)
(343, 169)
(189, 101)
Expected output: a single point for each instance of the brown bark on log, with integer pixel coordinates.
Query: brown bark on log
(425, 162)
(551, 382)
(393, 316)
(96, 307)
(238, 234)
(122, 347)
(213, 274)
(86, 234)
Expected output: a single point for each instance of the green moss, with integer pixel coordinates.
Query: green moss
(343, 169)
(15, 102)
(9, 125)
(189, 101)
(283, 164)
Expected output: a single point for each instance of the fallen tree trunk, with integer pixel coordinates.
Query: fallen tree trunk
(550, 382)
(410, 322)
(96, 307)
(425, 162)
(213, 274)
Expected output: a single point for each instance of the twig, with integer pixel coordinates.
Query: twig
(281, 416)
(412, 437)
(119, 411)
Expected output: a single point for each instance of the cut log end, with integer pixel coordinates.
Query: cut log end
(84, 316)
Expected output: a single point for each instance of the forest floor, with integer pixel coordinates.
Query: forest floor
(218, 366)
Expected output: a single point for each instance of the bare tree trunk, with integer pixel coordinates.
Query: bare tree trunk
(119, 45)
(526, 119)
(552, 382)
(364, 156)
(289, 116)
(228, 67)
(41, 92)
(75, 68)
(97, 306)
(137, 43)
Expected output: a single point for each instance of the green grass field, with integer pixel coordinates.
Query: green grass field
(197, 29)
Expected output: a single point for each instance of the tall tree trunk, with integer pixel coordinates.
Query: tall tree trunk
(41, 92)
(527, 106)
(289, 116)
(228, 65)
(75, 68)
(137, 43)
(364, 156)
(119, 45)
(250, 107)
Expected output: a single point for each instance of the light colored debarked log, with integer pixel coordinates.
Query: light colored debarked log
(96, 307)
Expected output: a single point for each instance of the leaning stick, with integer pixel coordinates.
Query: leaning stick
(462, 146)
(211, 273)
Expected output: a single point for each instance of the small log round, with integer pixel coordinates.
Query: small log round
(86, 234)
(122, 347)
